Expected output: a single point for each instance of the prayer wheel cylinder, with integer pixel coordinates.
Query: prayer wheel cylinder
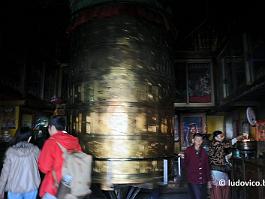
(121, 89)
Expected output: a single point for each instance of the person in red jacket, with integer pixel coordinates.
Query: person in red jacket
(51, 158)
(197, 168)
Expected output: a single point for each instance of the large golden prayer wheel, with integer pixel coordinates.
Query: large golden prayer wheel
(121, 92)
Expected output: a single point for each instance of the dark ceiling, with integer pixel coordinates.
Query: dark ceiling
(37, 27)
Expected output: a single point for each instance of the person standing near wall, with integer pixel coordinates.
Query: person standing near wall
(219, 171)
(197, 168)
(20, 175)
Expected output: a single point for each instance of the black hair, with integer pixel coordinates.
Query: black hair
(215, 133)
(198, 135)
(58, 122)
(21, 135)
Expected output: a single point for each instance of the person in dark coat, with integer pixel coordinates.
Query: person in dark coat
(197, 168)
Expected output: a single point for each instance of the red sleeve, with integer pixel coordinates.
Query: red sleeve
(79, 148)
(46, 158)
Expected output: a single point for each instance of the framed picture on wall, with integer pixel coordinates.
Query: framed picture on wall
(194, 83)
(199, 83)
(189, 125)
(8, 117)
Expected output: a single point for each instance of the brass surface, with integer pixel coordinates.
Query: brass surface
(128, 171)
(133, 147)
(121, 101)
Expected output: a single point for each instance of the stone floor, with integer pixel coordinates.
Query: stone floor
(171, 191)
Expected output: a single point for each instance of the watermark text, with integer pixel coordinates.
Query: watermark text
(240, 183)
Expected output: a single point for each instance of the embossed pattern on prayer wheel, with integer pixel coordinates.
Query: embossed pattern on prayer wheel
(121, 97)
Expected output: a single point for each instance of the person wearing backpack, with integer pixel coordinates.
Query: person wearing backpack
(51, 157)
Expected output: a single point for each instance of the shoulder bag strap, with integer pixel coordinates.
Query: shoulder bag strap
(56, 182)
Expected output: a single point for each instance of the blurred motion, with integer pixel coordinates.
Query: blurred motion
(121, 99)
